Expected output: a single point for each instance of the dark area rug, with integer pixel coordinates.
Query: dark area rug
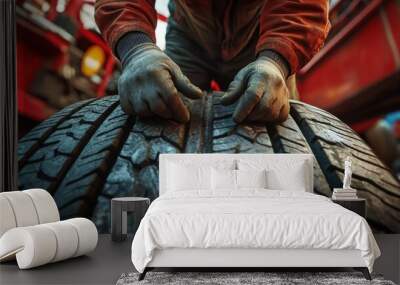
(273, 278)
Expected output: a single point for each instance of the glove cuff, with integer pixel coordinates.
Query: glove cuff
(136, 50)
(279, 60)
(129, 41)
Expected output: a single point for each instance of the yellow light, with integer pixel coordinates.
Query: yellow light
(92, 60)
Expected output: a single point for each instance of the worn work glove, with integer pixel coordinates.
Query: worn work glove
(152, 84)
(262, 93)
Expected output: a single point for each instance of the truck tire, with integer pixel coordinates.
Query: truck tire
(91, 151)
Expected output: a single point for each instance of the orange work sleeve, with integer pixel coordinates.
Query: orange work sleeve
(296, 29)
(117, 17)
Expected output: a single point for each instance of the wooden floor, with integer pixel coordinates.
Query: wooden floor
(110, 260)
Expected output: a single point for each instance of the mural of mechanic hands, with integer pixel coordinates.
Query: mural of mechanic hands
(152, 84)
(261, 92)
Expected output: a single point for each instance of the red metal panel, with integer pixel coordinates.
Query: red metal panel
(33, 107)
(393, 14)
(354, 59)
(38, 48)
(35, 50)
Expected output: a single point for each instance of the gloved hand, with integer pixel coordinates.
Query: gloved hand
(262, 93)
(152, 84)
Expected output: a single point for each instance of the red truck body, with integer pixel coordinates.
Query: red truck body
(356, 76)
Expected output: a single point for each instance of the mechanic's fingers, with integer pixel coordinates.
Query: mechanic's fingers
(273, 107)
(184, 85)
(172, 99)
(284, 106)
(235, 89)
(284, 113)
(141, 107)
(158, 107)
(126, 105)
(250, 99)
(180, 111)
(175, 104)
(124, 99)
(261, 112)
(233, 93)
(246, 104)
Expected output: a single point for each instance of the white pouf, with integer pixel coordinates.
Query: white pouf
(31, 232)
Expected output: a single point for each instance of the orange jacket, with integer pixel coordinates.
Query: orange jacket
(296, 29)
